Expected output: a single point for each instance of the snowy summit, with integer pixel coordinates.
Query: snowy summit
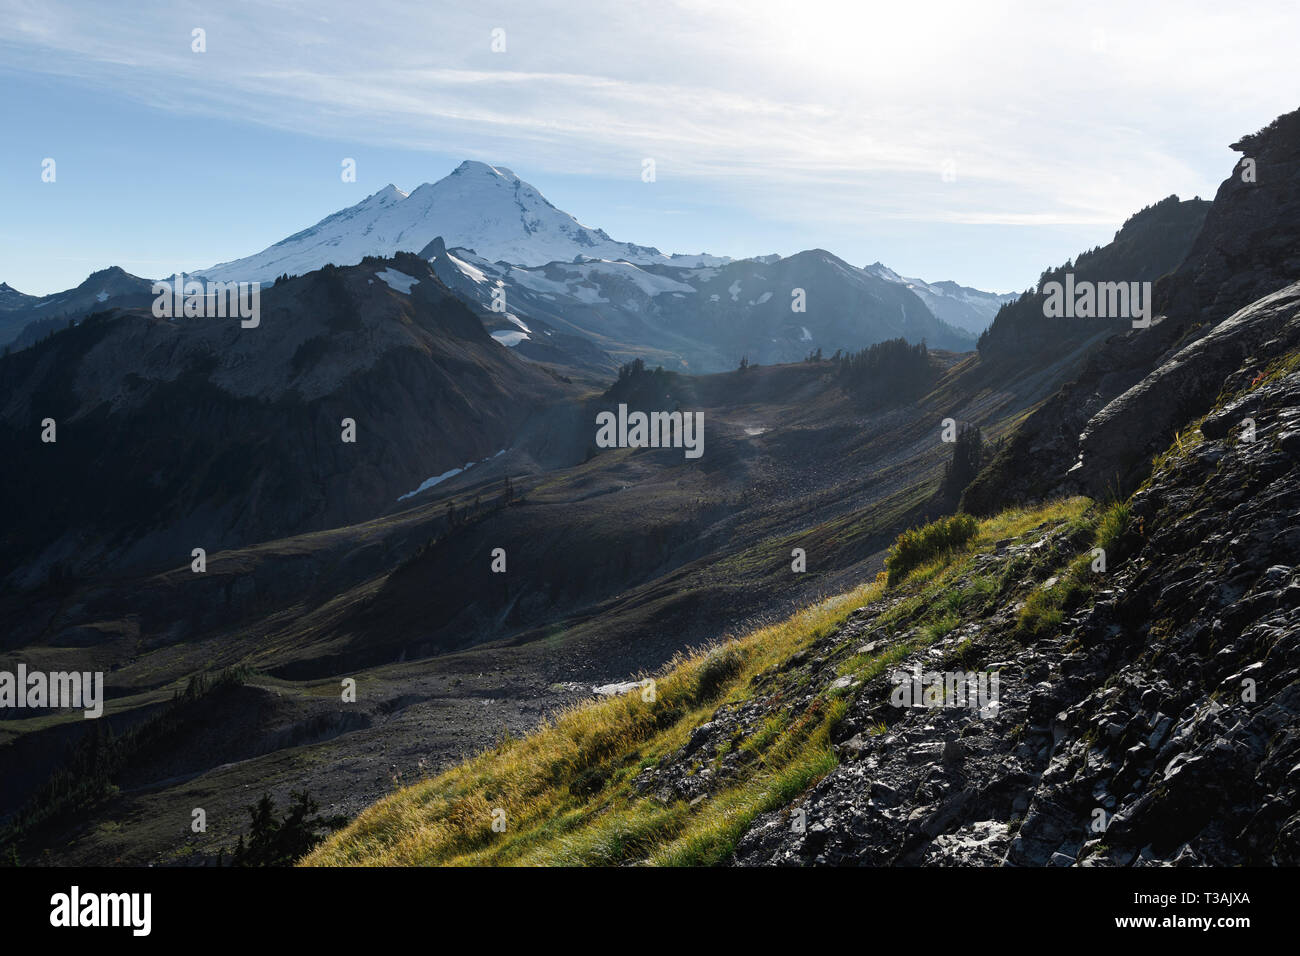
(485, 208)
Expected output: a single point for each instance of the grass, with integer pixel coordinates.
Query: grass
(568, 789)
(448, 819)
(1046, 608)
(919, 546)
(1184, 442)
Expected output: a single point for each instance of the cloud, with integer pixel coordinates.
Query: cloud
(1049, 113)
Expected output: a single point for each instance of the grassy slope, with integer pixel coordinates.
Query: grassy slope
(568, 790)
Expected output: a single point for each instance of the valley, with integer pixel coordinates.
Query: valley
(439, 545)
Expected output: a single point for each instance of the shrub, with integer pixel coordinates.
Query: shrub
(718, 668)
(916, 546)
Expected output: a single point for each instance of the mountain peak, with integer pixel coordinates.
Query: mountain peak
(473, 166)
(484, 208)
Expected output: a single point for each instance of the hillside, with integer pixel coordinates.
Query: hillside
(201, 433)
(1145, 711)
(1126, 609)
(615, 564)
(1083, 439)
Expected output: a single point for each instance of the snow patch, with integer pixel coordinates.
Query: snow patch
(430, 482)
(437, 479)
(474, 273)
(509, 338)
(397, 281)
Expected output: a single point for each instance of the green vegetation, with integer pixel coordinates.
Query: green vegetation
(916, 546)
(646, 389)
(279, 842)
(87, 777)
(967, 459)
(567, 793)
(1045, 610)
(887, 373)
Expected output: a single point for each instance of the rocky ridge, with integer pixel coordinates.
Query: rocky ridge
(1158, 724)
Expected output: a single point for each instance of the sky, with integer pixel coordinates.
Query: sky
(980, 141)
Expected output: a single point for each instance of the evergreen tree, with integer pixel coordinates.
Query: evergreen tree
(967, 457)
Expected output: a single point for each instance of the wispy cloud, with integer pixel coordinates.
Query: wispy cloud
(1013, 113)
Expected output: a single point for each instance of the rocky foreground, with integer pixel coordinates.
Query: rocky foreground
(1137, 665)
(1160, 725)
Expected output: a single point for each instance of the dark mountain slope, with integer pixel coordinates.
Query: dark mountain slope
(1250, 245)
(25, 320)
(1150, 244)
(192, 433)
(1241, 230)
(11, 299)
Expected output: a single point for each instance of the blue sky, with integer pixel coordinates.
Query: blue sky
(972, 141)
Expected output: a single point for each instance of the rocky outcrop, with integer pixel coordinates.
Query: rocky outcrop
(1160, 726)
(1035, 460)
(1248, 249)
(1118, 442)
(1250, 245)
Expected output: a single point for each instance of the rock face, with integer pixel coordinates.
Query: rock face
(1116, 446)
(1035, 462)
(1160, 726)
(1249, 245)
(1248, 249)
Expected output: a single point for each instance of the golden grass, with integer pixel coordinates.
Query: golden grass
(448, 819)
(566, 790)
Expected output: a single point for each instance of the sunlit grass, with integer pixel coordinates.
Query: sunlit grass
(566, 792)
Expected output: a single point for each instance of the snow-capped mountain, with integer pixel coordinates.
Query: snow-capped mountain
(959, 305)
(575, 296)
(485, 208)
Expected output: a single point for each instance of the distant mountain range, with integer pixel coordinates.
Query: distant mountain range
(958, 305)
(25, 319)
(595, 302)
(704, 318)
